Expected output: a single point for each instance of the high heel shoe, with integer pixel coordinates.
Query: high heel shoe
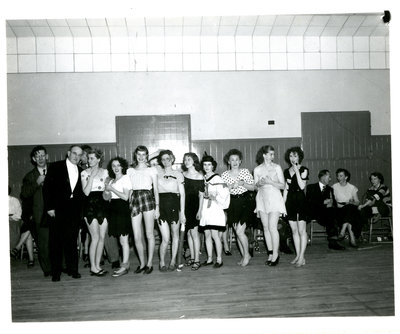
(274, 263)
(148, 270)
(139, 270)
(227, 253)
(14, 253)
(268, 262)
(300, 263)
(294, 261)
(121, 271)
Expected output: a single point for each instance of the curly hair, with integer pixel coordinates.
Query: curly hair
(233, 151)
(260, 154)
(297, 150)
(140, 148)
(378, 175)
(196, 161)
(164, 152)
(122, 162)
(209, 158)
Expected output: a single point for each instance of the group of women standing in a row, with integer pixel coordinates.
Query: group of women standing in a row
(195, 198)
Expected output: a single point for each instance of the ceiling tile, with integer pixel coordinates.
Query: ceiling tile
(173, 21)
(9, 32)
(319, 20)
(80, 31)
(136, 31)
(18, 23)
(301, 20)
(297, 31)
(192, 20)
(135, 21)
(57, 23)
(380, 31)
(279, 31)
(266, 20)
(372, 20)
(247, 20)
(314, 31)
(209, 30)
(61, 31)
(173, 30)
(23, 32)
(284, 20)
(154, 21)
(229, 20)
(331, 31)
(97, 22)
(244, 30)
(364, 31)
(347, 31)
(155, 31)
(118, 31)
(99, 31)
(77, 22)
(262, 30)
(210, 21)
(191, 30)
(116, 22)
(42, 31)
(337, 20)
(227, 30)
(354, 21)
(38, 23)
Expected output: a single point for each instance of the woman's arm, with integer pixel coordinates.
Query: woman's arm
(182, 200)
(156, 195)
(300, 180)
(281, 180)
(87, 182)
(201, 201)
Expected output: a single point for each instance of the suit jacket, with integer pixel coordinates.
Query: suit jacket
(57, 189)
(315, 200)
(32, 196)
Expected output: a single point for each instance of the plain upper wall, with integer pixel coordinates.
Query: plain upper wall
(58, 108)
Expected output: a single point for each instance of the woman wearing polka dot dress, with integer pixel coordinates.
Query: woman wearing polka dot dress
(239, 181)
(95, 208)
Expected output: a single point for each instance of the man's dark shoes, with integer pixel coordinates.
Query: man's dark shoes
(76, 275)
(55, 278)
(336, 246)
(115, 265)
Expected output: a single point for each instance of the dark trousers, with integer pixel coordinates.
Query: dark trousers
(42, 242)
(327, 218)
(111, 245)
(63, 233)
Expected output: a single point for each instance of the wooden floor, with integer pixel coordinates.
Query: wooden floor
(354, 282)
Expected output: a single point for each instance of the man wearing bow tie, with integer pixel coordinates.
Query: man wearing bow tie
(32, 203)
(322, 207)
(63, 197)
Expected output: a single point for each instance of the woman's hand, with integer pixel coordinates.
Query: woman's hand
(109, 187)
(198, 215)
(182, 217)
(157, 213)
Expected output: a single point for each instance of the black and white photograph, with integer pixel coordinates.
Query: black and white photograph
(175, 166)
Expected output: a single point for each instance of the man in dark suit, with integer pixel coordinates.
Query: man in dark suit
(322, 207)
(32, 203)
(63, 198)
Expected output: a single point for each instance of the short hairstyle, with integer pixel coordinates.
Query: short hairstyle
(297, 150)
(196, 161)
(122, 162)
(164, 152)
(345, 172)
(323, 172)
(98, 153)
(140, 148)
(86, 148)
(37, 149)
(74, 145)
(228, 154)
(209, 158)
(260, 154)
(378, 175)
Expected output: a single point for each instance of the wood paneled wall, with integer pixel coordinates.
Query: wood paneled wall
(378, 159)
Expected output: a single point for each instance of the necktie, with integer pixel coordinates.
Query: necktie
(44, 171)
(323, 188)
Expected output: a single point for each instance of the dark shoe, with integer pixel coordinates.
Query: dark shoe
(268, 262)
(274, 263)
(218, 265)
(46, 274)
(139, 270)
(335, 246)
(76, 275)
(196, 265)
(205, 263)
(285, 249)
(55, 279)
(227, 253)
(163, 269)
(14, 253)
(172, 267)
(100, 273)
(115, 265)
(31, 264)
(340, 237)
(85, 257)
(251, 250)
(353, 245)
(148, 270)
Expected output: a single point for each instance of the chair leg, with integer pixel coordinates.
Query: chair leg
(370, 230)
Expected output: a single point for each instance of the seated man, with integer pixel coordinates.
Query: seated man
(322, 207)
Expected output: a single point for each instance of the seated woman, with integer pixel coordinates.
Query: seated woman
(240, 182)
(19, 230)
(378, 196)
(172, 207)
(216, 199)
(95, 208)
(119, 223)
(347, 202)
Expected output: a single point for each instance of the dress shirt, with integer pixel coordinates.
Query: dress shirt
(73, 174)
(42, 171)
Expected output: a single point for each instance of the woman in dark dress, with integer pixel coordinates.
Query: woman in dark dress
(117, 191)
(194, 191)
(296, 177)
